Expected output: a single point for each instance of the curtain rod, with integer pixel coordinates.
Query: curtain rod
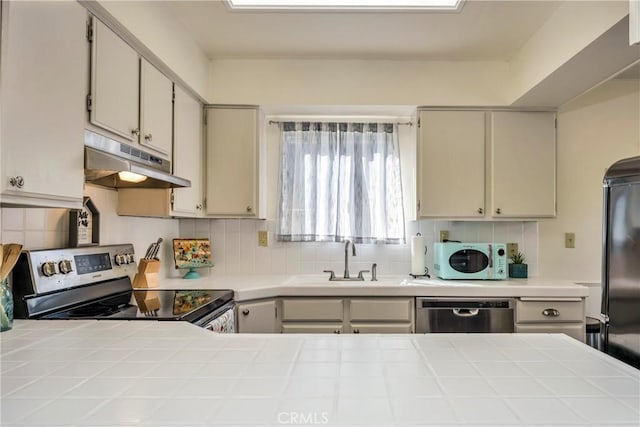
(275, 122)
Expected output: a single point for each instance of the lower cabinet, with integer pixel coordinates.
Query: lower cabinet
(375, 315)
(561, 315)
(258, 317)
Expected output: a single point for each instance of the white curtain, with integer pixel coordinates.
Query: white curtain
(340, 181)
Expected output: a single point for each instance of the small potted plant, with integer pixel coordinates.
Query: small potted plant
(518, 268)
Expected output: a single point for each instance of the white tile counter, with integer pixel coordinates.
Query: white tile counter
(104, 373)
(249, 287)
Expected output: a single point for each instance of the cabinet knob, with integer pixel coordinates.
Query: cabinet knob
(245, 312)
(249, 208)
(550, 312)
(199, 207)
(498, 211)
(148, 137)
(337, 331)
(17, 181)
(356, 331)
(135, 132)
(480, 211)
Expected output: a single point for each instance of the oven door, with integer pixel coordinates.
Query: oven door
(222, 320)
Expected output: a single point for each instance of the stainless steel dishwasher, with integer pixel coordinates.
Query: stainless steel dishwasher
(464, 315)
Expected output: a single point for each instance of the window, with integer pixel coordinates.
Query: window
(340, 181)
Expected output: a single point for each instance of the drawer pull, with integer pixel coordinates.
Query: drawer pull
(245, 312)
(550, 312)
(466, 312)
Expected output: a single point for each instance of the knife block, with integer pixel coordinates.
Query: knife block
(147, 275)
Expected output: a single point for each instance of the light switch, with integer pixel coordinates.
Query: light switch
(570, 240)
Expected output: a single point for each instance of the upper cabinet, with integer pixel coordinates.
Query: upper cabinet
(452, 168)
(129, 97)
(115, 71)
(523, 164)
(43, 87)
(486, 164)
(156, 109)
(232, 160)
(188, 159)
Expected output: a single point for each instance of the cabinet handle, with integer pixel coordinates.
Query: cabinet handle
(498, 211)
(356, 331)
(148, 138)
(199, 207)
(17, 181)
(337, 331)
(135, 132)
(550, 312)
(480, 211)
(245, 311)
(249, 208)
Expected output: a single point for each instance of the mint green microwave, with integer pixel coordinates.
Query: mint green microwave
(471, 261)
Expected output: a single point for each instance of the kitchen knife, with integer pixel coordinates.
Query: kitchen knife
(154, 253)
(147, 254)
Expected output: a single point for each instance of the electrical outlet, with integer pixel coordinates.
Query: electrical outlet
(570, 240)
(512, 249)
(263, 238)
(444, 235)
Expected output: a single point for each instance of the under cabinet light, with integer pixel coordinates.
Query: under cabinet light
(349, 5)
(131, 177)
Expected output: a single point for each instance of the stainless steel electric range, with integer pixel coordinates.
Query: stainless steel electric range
(95, 283)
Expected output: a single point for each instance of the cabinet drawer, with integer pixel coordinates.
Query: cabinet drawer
(312, 309)
(381, 328)
(549, 311)
(574, 330)
(312, 328)
(382, 309)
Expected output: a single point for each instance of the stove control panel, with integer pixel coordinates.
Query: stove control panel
(56, 269)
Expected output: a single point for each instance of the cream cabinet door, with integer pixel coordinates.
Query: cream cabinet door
(257, 317)
(115, 76)
(187, 154)
(312, 309)
(232, 161)
(44, 82)
(312, 328)
(382, 309)
(156, 110)
(575, 330)
(451, 164)
(523, 164)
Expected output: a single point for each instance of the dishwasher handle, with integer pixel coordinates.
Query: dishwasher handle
(465, 312)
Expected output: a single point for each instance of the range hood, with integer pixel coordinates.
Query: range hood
(105, 161)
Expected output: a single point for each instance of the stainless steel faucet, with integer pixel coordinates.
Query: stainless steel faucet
(346, 257)
(346, 275)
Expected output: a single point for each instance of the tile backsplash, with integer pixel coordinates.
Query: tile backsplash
(236, 251)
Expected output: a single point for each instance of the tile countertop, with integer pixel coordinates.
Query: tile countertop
(114, 373)
(249, 287)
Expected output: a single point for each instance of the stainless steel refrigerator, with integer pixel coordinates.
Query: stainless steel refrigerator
(620, 328)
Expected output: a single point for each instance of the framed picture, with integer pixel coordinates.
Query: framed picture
(84, 225)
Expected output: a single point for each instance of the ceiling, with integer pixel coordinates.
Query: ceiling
(483, 30)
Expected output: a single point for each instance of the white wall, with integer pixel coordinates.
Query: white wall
(594, 131)
(154, 26)
(234, 244)
(36, 228)
(573, 26)
(356, 82)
